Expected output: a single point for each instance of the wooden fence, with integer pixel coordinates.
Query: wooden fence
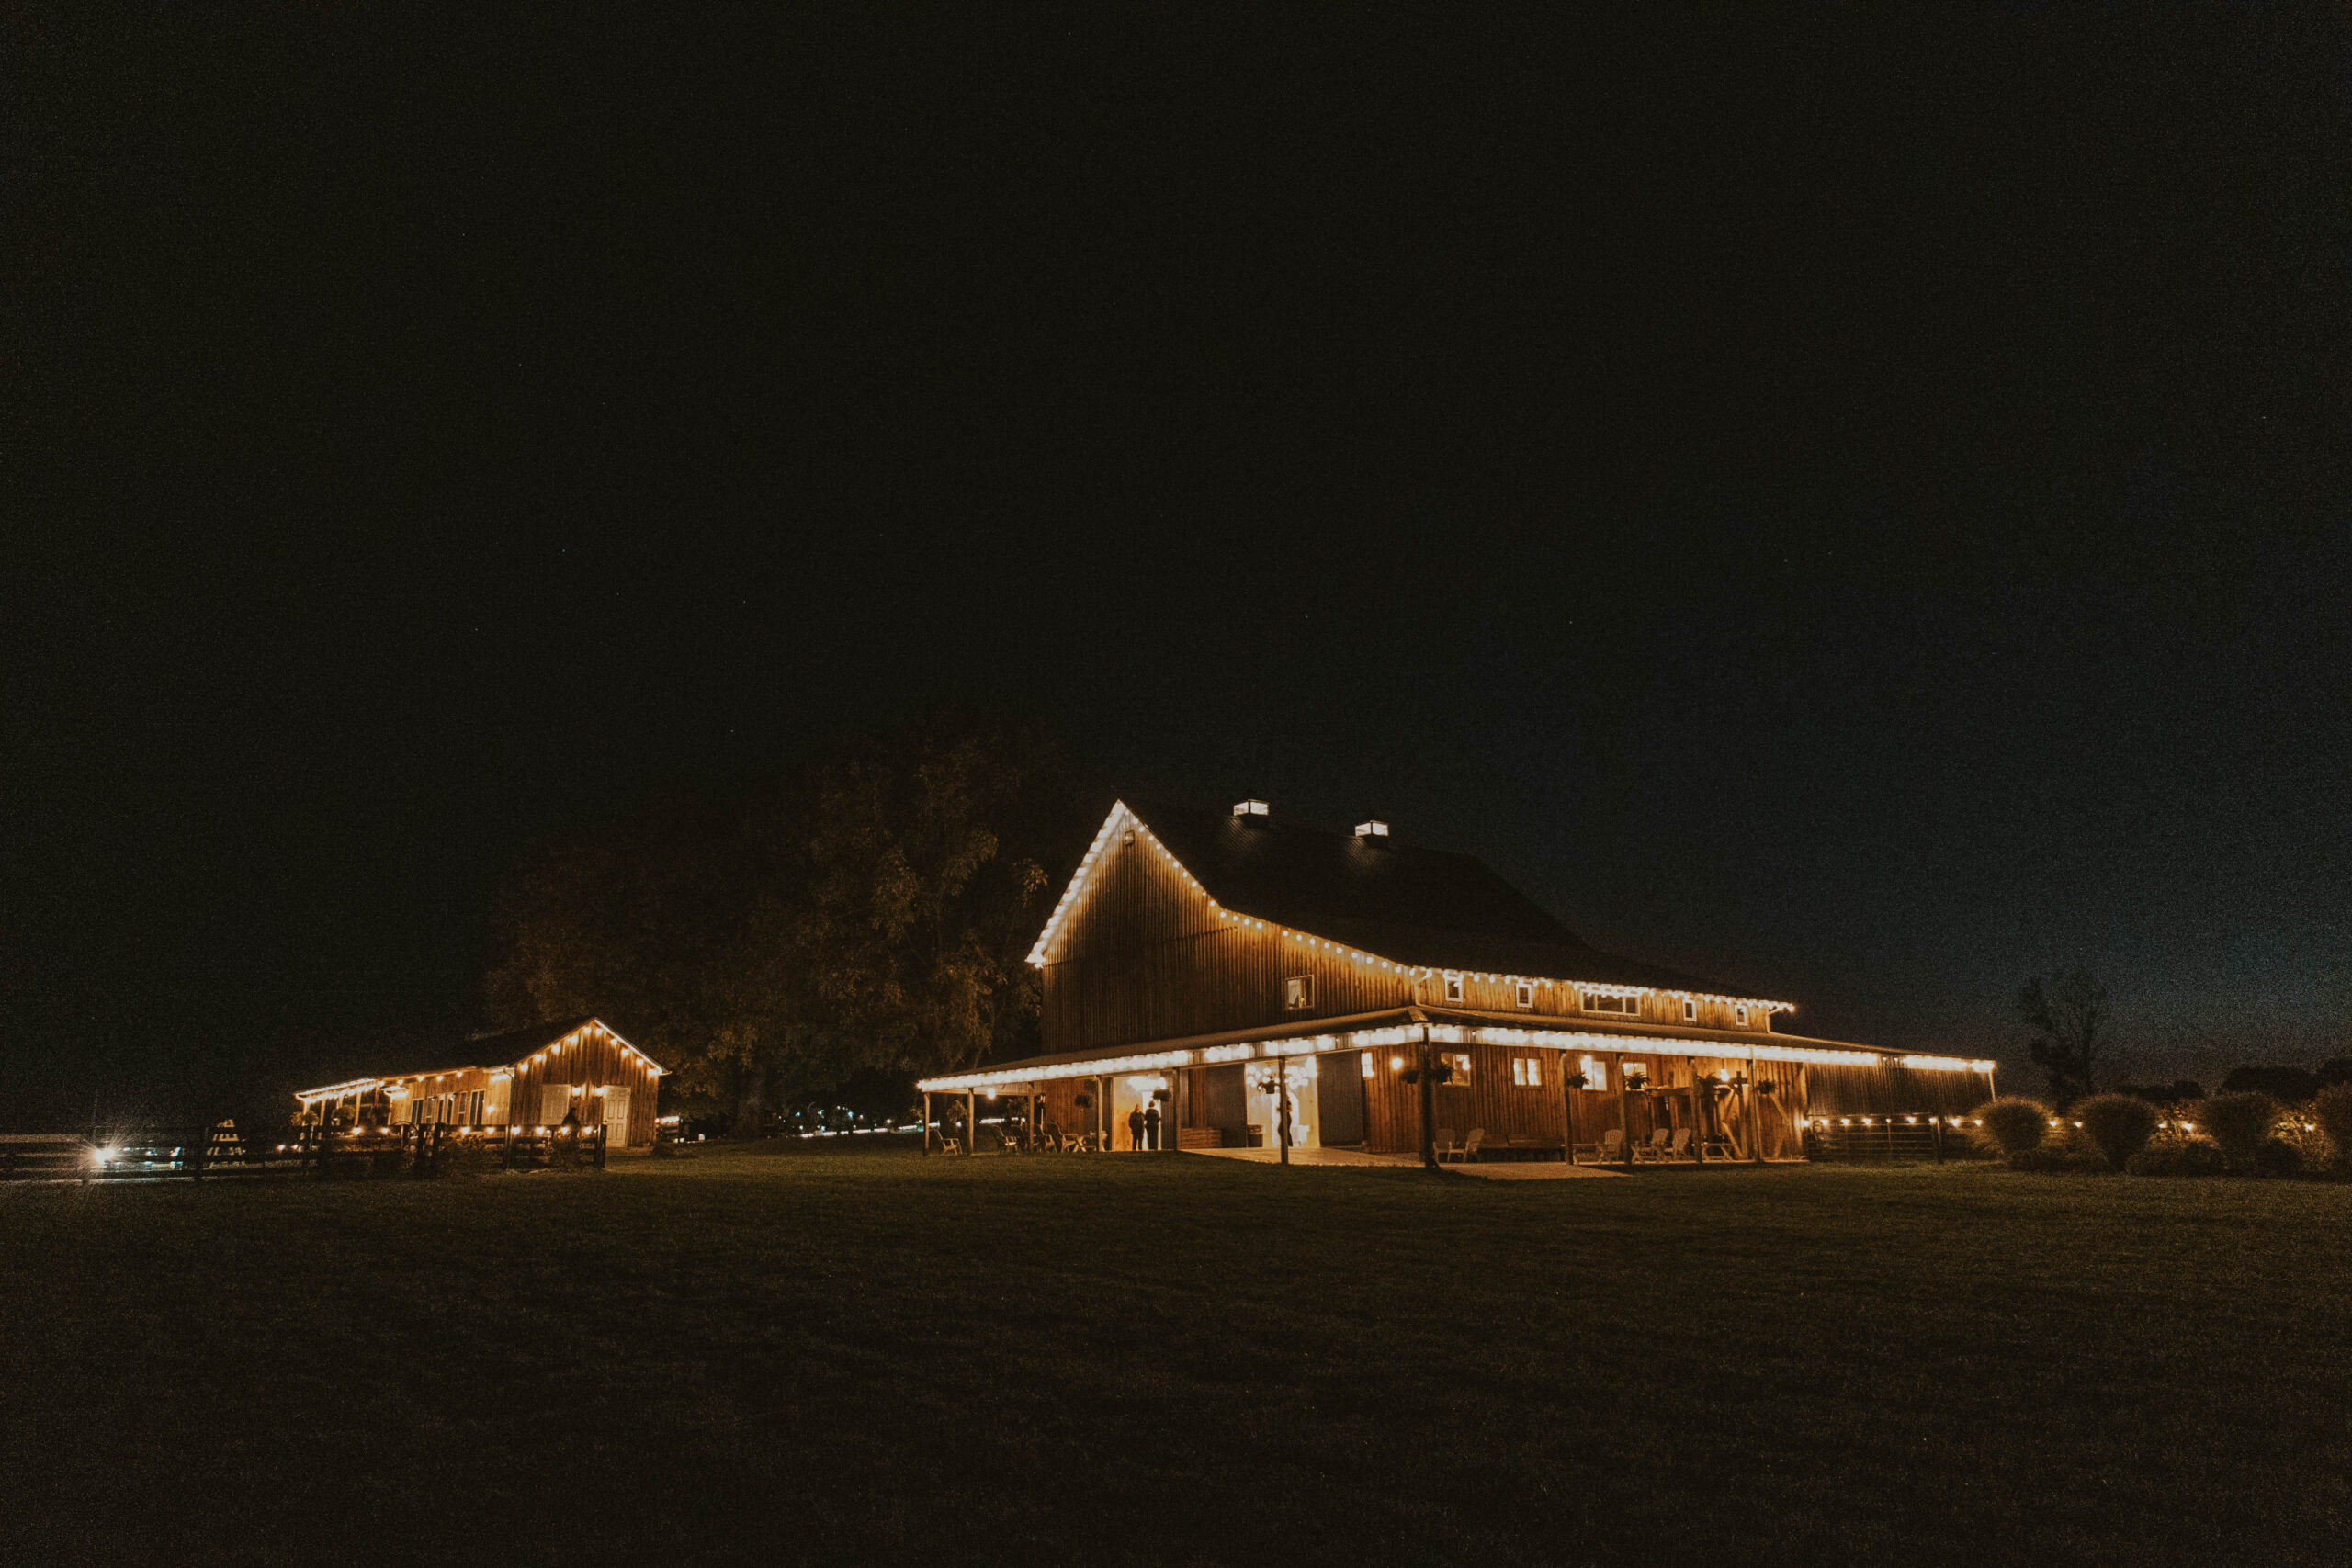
(191, 1155)
(1886, 1139)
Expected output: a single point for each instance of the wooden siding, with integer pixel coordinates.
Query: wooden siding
(596, 1061)
(1558, 999)
(1515, 1116)
(1877, 1091)
(1144, 957)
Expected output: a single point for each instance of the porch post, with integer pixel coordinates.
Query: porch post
(971, 1121)
(1747, 1111)
(1568, 1106)
(1625, 1115)
(1702, 1108)
(1281, 1104)
(926, 1122)
(1429, 1105)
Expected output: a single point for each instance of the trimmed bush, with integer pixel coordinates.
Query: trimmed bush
(2016, 1126)
(2176, 1159)
(2276, 1156)
(2332, 1109)
(2240, 1122)
(2121, 1124)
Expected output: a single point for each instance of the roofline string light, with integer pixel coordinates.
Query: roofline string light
(1120, 811)
(1438, 1034)
(361, 1086)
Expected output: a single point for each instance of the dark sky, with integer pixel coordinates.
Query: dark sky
(1860, 513)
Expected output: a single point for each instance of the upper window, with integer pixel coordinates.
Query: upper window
(1454, 988)
(1248, 808)
(1690, 1011)
(1372, 829)
(1524, 993)
(1631, 1007)
(1298, 993)
(1739, 1015)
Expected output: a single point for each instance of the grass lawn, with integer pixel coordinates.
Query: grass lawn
(785, 1355)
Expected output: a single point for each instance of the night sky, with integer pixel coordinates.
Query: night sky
(1858, 514)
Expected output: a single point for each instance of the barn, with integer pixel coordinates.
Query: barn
(1264, 981)
(526, 1078)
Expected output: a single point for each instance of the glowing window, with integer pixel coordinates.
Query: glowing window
(1527, 1072)
(1298, 993)
(1460, 1061)
(1595, 1071)
(1630, 1007)
(1367, 1063)
(1454, 988)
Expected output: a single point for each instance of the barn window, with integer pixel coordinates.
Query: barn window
(1739, 1015)
(1453, 988)
(1460, 1061)
(1527, 1072)
(1298, 993)
(1690, 1011)
(1367, 1063)
(1630, 1007)
(1525, 993)
(1595, 1071)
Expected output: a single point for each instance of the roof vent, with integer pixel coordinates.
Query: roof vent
(1248, 808)
(1372, 829)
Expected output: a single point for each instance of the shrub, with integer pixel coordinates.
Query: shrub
(2120, 1124)
(2239, 1122)
(2332, 1109)
(2016, 1126)
(2276, 1156)
(2176, 1159)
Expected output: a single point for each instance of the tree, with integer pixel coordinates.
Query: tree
(2067, 1009)
(925, 890)
(652, 921)
(869, 911)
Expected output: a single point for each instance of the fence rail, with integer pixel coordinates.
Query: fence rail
(1903, 1136)
(191, 1155)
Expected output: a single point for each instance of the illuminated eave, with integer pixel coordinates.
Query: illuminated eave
(1122, 816)
(396, 1084)
(1442, 1034)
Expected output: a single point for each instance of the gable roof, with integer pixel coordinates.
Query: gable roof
(1424, 908)
(485, 1052)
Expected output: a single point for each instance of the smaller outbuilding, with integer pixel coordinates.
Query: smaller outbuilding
(531, 1077)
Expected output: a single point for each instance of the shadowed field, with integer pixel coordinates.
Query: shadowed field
(784, 1355)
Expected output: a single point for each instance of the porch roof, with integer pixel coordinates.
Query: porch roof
(1451, 1026)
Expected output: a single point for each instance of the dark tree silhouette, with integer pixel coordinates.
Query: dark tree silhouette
(2067, 1010)
(868, 911)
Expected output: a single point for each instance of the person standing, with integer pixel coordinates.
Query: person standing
(1152, 1125)
(1135, 1128)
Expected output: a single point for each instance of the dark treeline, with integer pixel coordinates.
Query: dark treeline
(866, 913)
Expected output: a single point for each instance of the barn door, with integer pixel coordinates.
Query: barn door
(1339, 1096)
(617, 1118)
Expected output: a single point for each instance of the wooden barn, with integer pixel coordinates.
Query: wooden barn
(527, 1079)
(1227, 967)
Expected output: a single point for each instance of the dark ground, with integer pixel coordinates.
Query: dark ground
(781, 1355)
